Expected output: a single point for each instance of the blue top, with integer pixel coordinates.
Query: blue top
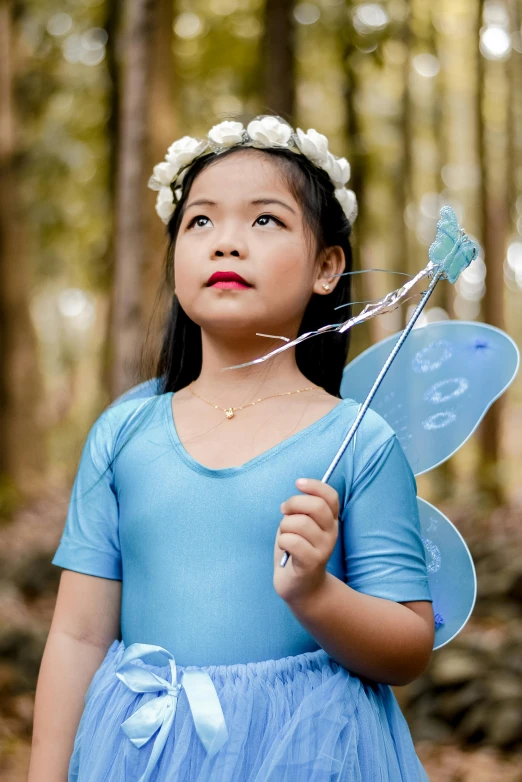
(194, 546)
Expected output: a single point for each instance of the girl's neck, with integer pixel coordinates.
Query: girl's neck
(277, 375)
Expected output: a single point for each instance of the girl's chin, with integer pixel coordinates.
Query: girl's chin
(238, 324)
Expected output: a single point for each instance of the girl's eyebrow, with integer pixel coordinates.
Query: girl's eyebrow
(265, 201)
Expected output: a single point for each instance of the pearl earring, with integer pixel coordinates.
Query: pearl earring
(326, 286)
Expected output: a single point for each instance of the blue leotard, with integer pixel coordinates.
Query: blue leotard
(194, 546)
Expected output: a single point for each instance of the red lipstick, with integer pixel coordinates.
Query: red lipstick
(228, 280)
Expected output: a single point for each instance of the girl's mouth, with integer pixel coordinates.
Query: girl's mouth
(230, 285)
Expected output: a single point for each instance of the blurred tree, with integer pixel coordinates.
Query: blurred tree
(127, 319)
(22, 454)
(515, 109)
(364, 335)
(404, 260)
(278, 49)
(492, 127)
(431, 114)
(162, 130)
(112, 26)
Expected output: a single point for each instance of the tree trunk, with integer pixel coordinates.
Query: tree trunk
(364, 335)
(113, 28)
(514, 109)
(443, 479)
(279, 59)
(404, 183)
(127, 321)
(494, 224)
(162, 131)
(22, 455)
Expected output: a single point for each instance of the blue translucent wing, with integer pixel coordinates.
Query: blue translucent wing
(439, 386)
(434, 394)
(451, 573)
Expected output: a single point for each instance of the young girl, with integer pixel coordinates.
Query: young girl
(230, 667)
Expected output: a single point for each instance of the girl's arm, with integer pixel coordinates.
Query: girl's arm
(85, 622)
(385, 641)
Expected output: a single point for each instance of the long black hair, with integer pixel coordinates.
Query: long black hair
(321, 359)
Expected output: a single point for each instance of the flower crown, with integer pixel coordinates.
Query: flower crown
(263, 132)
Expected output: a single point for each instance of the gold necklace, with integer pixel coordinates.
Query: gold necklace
(229, 411)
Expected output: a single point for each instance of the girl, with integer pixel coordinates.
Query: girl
(230, 666)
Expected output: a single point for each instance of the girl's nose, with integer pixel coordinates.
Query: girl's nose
(221, 253)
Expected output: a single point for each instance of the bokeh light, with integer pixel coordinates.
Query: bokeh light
(59, 24)
(87, 48)
(513, 264)
(72, 302)
(426, 65)
(307, 13)
(369, 18)
(188, 25)
(495, 43)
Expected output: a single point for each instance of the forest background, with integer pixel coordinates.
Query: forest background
(425, 101)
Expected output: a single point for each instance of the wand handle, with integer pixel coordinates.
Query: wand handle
(373, 389)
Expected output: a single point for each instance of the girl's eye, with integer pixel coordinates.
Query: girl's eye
(194, 219)
(270, 217)
(261, 217)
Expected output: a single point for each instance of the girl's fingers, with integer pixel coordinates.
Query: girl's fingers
(313, 506)
(314, 487)
(305, 527)
(297, 546)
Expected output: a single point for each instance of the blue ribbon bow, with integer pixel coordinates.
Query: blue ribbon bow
(159, 712)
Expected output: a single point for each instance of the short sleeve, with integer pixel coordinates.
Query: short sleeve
(383, 550)
(90, 539)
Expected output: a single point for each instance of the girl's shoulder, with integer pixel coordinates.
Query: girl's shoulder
(372, 433)
(119, 419)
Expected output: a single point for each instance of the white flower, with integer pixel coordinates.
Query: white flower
(348, 202)
(227, 133)
(338, 169)
(265, 132)
(165, 204)
(314, 145)
(269, 132)
(163, 175)
(184, 150)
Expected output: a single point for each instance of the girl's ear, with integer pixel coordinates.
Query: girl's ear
(331, 262)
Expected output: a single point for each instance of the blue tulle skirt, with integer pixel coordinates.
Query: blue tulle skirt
(302, 718)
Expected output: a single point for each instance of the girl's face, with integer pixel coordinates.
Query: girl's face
(239, 216)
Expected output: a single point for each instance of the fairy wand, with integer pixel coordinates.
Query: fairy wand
(451, 253)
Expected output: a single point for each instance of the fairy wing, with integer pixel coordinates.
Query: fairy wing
(439, 386)
(435, 393)
(451, 573)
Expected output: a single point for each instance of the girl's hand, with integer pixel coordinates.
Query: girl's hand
(308, 532)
